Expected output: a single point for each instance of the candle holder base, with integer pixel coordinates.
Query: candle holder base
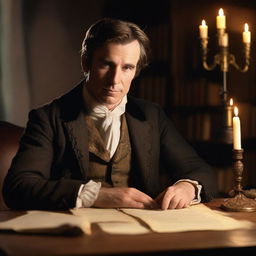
(250, 193)
(239, 203)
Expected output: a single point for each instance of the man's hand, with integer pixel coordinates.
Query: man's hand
(177, 196)
(124, 197)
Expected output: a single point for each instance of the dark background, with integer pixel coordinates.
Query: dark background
(175, 79)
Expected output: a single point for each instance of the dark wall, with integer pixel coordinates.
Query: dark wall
(54, 31)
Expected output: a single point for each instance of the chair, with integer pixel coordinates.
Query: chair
(9, 142)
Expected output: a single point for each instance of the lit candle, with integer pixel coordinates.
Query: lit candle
(246, 34)
(230, 113)
(236, 130)
(223, 40)
(221, 20)
(203, 30)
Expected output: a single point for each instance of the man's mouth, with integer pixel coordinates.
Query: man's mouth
(111, 91)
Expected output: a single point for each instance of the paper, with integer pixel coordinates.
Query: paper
(47, 222)
(102, 215)
(124, 228)
(112, 221)
(194, 218)
(124, 221)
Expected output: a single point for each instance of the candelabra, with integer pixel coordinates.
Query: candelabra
(239, 200)
(224, 59)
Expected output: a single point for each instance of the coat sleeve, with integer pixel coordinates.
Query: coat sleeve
(30, 183)
(181, 160)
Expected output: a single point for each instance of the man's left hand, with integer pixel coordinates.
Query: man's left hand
(177, 196)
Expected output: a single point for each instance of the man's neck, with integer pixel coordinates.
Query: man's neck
(92, 101)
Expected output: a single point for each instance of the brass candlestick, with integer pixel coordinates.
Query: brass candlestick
(224, 58)
(238, 201)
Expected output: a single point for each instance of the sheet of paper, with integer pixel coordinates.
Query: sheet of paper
(102, 215)
(112, 221)
(48, 223)
(194, 218)
(123, 228)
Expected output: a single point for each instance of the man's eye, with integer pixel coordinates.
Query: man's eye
(105, 65)
(128, 67)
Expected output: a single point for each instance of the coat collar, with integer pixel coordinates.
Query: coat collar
(72, 103)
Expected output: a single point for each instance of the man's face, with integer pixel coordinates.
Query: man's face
(112, 71)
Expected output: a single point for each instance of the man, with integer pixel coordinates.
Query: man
(97, 146)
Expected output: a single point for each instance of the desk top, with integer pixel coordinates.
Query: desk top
(100, 243)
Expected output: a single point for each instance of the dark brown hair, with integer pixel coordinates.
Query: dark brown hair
(114, 31)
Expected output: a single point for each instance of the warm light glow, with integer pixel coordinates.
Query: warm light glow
(203, 29)
(221, 12)
(236, 111)
(246, 27)
(246, 34)
(231, 102)
(221, 20)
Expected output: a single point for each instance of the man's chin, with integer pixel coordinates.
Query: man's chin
(110, 101)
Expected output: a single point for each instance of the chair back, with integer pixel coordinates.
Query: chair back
(9, 142)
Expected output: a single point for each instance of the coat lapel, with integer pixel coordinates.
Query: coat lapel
(72, 114)
(78, 135)
(141, 140)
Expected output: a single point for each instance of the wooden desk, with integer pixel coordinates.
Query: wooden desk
(99, 243)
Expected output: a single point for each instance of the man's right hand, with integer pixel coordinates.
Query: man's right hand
(124, 198)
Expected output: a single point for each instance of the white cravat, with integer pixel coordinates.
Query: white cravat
(110, 123)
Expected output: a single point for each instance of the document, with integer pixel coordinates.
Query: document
(46, 222)
(194, 218)
(140, 221)
(113, 221)
(123, 221)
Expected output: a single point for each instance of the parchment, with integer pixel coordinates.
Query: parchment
(47, 222)
(112, 221)
(194, 218)
(124, 221)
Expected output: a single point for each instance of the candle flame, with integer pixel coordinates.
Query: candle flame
(231, 102)
(246, 27)
(236, 111)
(221, 12)
(203, 23)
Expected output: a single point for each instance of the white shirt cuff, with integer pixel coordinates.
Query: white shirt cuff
(198, 188)
(88, 194)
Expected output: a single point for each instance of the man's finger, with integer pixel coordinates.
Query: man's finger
(141, 197)
(174, 202)
(166, 200)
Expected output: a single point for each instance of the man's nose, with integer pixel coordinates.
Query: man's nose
(115, 76)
